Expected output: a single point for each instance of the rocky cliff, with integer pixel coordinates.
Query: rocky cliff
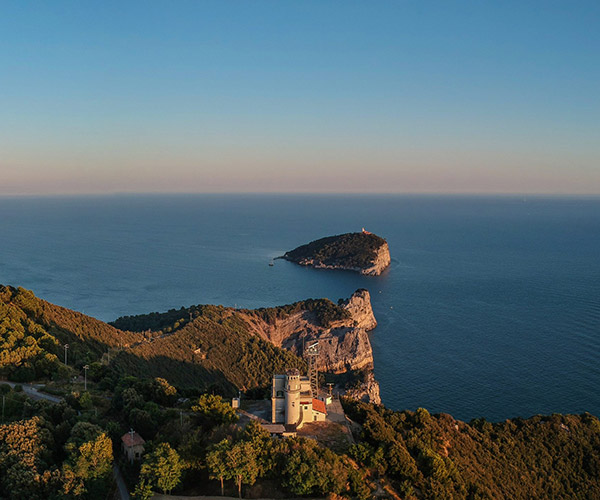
(344, 345)
(381, 260)
(363, 252)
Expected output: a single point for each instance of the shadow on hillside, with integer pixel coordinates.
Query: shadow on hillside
(179, 373)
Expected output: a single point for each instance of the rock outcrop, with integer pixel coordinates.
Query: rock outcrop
(359, 307)
(366, 390)
(364, 252)
(380, 262)
(344, 345)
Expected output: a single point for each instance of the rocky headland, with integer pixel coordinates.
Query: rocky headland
(344, 345)
(362, 252)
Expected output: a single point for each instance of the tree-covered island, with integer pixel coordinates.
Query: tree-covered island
(362, 252)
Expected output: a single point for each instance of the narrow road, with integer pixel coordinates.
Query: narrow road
(123, 493)
(33, 392)
(335, 413)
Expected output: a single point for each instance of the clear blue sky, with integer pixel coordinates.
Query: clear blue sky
(403, 96)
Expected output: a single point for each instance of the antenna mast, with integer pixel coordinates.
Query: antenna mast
(312, 353)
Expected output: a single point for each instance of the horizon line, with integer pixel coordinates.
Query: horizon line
(301, 193)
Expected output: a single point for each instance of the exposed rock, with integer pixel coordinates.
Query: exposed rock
(380, 262)
(359, 306)
(367, 391)
(343, 346)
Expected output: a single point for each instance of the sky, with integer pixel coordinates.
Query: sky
(306, 96)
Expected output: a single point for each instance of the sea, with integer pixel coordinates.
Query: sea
(490, 308)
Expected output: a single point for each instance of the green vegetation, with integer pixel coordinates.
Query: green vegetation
(212, 410)
(349, 250)
(432, 457)
(52, 455)
(161, 468)
(33, 332)
(325, 311)
(194, 444)
(214, 351)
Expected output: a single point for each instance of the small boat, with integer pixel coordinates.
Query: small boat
(271, 264)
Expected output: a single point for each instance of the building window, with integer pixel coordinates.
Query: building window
(306, 407)
(315, 418)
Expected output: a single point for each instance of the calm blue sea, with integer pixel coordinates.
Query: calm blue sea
(491, 306)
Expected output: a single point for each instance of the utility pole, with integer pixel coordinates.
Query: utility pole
(85, 369)
(66, 348)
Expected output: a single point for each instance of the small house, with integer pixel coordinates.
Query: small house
(132, 445)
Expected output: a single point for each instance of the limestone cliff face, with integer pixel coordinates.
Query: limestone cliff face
(343, 346)
(359, 307)
(380, 262)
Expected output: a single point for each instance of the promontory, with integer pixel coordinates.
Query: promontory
(362, 252)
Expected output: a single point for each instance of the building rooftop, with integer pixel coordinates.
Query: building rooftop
(319, 406)
(132, 439)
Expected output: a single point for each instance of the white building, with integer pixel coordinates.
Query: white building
(292, 403)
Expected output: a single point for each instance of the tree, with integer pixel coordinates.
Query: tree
(163, 392)
(88, 470)
(85, 400)
(24, 452)
(241, 461)
(216, 460)
(263, 445)
(162, 468)
(143, 490)
(95, 458)
(213, 411)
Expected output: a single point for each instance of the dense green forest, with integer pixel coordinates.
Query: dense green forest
(356, 250)
(435, 456)
(195, 348)
(216, 348)
(199, 447)
(49, 452)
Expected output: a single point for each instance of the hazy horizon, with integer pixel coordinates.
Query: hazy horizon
(313, 97)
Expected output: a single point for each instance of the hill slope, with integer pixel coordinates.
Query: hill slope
(250, 347)
(435, 456)
(197, 347)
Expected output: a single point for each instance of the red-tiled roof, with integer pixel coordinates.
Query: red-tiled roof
(319, 406)
(130, 440)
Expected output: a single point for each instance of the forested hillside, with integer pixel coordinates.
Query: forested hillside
(200, 347)
(215, 347)
(33, 332)
(436, 456)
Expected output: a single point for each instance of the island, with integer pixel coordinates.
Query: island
(362, 252)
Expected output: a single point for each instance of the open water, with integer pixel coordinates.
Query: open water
(491, 306)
